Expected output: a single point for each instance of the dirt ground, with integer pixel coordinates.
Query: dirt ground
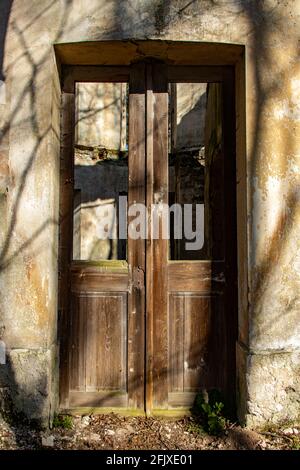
(113, 431)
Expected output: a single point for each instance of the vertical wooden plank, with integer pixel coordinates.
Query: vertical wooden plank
(91, 344)
(107, 325)
(149, 244)
(106, 364)
(197, 331)
(65, 236)
(113, 343)
(160, 246)
(101, 343)
(136, 248)
(84, 307)
(74, 347)
(176, 342)
(111, 340)
(124, 339)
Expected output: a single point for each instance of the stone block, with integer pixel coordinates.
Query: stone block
(32, 383)
(269, 387)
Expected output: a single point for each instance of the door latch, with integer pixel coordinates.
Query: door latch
(138, 278)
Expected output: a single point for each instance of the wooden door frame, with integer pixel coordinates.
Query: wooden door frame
(152, 251)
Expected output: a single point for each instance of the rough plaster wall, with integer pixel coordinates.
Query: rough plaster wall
(190, 115)
(101, 115)
(270, 31)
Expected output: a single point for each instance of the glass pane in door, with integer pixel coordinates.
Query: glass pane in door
(100, 171)
(195, 171)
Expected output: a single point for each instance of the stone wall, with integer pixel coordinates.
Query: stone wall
(268, 199)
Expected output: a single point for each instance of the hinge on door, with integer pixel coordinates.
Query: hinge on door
(138, 278)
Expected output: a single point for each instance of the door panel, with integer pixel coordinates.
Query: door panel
(103, 316)
(189, 315)
(194, 319)
(195, 362)
(100, 281)
(98, 355)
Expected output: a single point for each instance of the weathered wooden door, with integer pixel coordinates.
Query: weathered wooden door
(149, 328)
(191, 290)
(102, 290)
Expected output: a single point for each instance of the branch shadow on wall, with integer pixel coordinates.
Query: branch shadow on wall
(264, 93)
(266, 266)
(24, 381)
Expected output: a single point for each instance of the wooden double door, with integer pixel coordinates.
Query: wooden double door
(148, 330)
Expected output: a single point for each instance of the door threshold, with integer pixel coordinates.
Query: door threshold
(171, 413)
(81, 411)
(159, 413)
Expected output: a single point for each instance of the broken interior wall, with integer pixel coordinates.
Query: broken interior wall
(99, 182)
(269, 344)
